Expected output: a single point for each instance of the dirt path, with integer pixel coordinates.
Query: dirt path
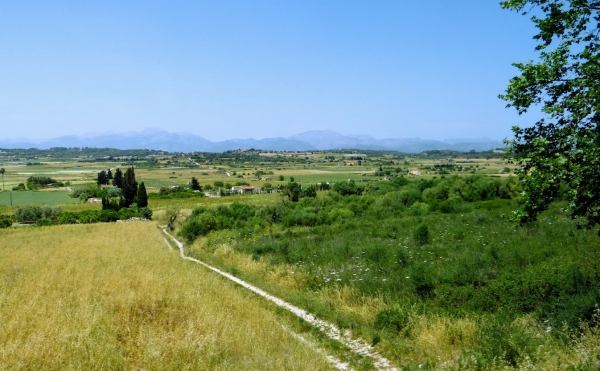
(358, 346)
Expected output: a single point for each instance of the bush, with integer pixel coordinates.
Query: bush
(5, 223)
(28, 214)
(20, 187)
(67, 218)
(419, 209)
(127, 213)
(89, 216)
(409, 196)
(44, 222)
(421, 235)
(40, 181)
(310, 191)
(90, 190)
(114, 192)
(51, 213)
(422, 277)
(341, 214)
(145, 212)
(107, 216)
(348, 188)
(200, 225)
(391, 319)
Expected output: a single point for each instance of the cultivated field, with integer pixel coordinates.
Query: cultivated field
(114, 296)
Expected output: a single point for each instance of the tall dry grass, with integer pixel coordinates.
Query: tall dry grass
(113, 296)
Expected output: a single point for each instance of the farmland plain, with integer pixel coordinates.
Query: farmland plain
(414, 254)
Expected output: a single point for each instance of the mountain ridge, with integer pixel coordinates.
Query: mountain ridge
(158, 139)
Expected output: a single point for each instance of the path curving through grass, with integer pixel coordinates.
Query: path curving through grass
(357, 346)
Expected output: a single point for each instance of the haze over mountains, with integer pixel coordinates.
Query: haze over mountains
(158, 139)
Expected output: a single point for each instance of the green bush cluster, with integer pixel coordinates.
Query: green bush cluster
(5, 221)
(235, 216)
(175, 192)
(20, 187)
(35, 182)
(49, 215)
(28, 214)
(88, 190)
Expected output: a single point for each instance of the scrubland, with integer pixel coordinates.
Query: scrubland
(114, 296)
(430, 272)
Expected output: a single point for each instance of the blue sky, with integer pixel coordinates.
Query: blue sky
(239, 69)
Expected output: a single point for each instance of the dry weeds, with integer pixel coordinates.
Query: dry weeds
(112, 296)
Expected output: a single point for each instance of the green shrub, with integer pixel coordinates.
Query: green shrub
(114, 192)
(419, 209)
(310, 191)
(89, 216)
(198, 226)
(5, 223)
(20, 187)
(145, 212)
(67, 218)
(341, 214)
(127, 213)
(107, 216)
(421, 234)
(51, 213)
(348, 188)
(423, 280)
(28, 214)
(44, 222)
(392, 319)
(90, 190)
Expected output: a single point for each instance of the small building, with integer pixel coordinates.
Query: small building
(245, 189)
(415, 172)
(266, 179)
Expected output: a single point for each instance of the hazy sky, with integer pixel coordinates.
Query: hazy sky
(238, 69)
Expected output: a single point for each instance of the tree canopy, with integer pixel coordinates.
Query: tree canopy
(559, 156)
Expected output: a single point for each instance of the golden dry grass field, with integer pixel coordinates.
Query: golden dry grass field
(114, 296)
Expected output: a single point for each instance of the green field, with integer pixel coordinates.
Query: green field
(36, 198)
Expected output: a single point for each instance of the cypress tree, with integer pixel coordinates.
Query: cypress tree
(109, 175)
(102, 178)
(195, 184)
(118, 178)
(129, 187)
(142, 197)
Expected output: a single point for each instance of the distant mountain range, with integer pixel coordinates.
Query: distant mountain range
(158, 139)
